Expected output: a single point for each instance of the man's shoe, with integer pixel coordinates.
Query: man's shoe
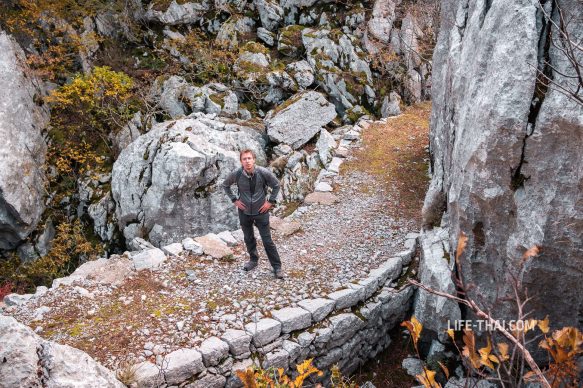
(250, 265)
(279, 274)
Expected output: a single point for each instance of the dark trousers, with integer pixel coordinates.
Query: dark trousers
(262, 223)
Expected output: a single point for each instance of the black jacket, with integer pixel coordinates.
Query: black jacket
(253, 201)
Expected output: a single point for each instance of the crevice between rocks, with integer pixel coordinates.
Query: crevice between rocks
(543, 76)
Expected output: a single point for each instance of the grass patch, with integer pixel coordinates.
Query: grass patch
(395, 154)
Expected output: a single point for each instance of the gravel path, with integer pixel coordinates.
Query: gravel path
(192, 297)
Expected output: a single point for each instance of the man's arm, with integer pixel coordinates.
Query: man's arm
(272, 182)
(227, 183)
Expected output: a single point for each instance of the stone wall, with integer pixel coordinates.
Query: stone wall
(348, 327)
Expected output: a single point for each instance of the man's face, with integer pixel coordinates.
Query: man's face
(248, 161)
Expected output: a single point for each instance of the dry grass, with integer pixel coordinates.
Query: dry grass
(395, 154)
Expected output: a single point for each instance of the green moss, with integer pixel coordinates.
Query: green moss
(254, 47)
(218, 99)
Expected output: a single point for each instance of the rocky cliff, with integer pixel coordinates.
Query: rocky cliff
(22, 121)
(507, 150)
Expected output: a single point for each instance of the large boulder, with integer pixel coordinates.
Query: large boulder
(178, 13)
(299, 119)
(506, 154)
(166, 184)
(23, 150)
(30, 361)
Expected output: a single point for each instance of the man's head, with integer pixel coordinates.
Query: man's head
(247, 158)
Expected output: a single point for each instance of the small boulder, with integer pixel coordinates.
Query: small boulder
(213, 246)
(148, 259)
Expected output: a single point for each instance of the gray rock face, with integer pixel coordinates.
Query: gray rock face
(165, 183)
(186, 13)
(507, 159)
(22, 150)
(298, 122)
(30, 361)
(434, 311)
(381, 21)
(334, 56)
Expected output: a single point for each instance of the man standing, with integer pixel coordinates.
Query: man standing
(252, 182)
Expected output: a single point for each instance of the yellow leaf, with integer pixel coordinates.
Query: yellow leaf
(469, 350)
(461, 244)
(531, 252)
(444, 369)
(486, 357)
(544, 325)
(415, 327)
(503, 350)
(428, 379)
(451, 334)
(529, 325)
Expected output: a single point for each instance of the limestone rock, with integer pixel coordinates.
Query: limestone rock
(264, 331)
(213, 351)
(214, 246)
(112, 271)
(25, 354)
(319, 308)
(435, 312)
(238, 341)
(325, 145)
(23, 148)
(292, 318)
(165, 182)
(148, 259)
(284, 227)
(508, 182)
(192, 246)
(302, 73)
(323, 198)
(175, 14)
(303, 117)
(228, 238)
(391, 106)
(174, 249)
(270, 13)
(181, 365)
(347, 297)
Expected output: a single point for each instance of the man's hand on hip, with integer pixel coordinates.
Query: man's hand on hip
(240, 204)
(266, 206)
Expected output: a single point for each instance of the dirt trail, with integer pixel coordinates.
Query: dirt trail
(380, 191)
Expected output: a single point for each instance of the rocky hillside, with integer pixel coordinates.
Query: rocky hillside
(123, 116)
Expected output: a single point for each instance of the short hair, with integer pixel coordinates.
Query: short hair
(247, 151)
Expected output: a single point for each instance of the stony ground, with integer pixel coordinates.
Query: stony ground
(190, 298)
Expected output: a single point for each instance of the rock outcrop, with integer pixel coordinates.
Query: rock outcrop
(302, 117)
(166, 183)
(506, 153)
(30, 361)
(23, 149)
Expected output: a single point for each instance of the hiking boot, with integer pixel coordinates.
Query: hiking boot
(249, 265)
(278, 274)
